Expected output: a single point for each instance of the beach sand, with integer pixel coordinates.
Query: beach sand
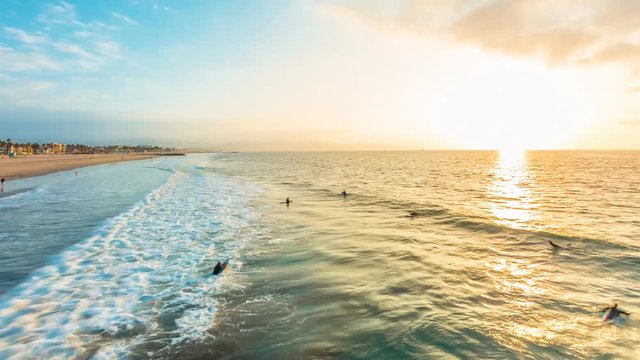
(34, 165)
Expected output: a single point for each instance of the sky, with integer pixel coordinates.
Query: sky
(323, 74)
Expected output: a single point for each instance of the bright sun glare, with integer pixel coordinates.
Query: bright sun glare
(517, 106)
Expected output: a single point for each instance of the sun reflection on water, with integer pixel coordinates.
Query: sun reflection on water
(511, 201)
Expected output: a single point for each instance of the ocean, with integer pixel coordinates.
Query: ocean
(431, 255)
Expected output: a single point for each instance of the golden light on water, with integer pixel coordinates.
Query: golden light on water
(512, 203)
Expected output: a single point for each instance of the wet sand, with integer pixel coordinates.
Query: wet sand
(34, 165)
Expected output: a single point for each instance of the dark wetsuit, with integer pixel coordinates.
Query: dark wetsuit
(613, 313)
(218, 268)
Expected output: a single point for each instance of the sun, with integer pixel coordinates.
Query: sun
(511, 108)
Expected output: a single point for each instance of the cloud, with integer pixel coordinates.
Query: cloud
(73, 49)
(64, 14)
(24, 36)
(59, 13)
(74, 45)
(109, 49)
(558, 31)
(124, 18)
(13, 60)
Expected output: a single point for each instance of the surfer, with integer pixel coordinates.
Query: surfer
(344, 193)
(612, 313)
(413, 213)
(2, 185)
(555, 246)
(220, 266)
(287, 202)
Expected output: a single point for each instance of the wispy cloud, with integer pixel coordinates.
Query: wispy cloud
(124, 18)
(559, 31)
(64, 43)
(73, 49)
(159, 7)
(63, 13)
(13, 60)
(109, 49)
(24, 36)
(59, 13)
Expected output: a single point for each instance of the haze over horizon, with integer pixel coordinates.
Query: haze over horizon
(322, 75)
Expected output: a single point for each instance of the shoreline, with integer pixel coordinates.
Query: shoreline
(38, 165)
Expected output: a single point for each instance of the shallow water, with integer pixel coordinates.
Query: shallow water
(468, 275)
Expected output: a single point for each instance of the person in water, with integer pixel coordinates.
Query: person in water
(612, 313)
(344, 193)
(555, 246)
(2, 185)
(218, 268)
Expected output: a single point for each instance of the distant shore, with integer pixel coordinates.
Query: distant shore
(36, 165)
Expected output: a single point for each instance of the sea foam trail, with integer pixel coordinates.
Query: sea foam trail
(144, 277)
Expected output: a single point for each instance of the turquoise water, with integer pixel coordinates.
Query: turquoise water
(431, 255)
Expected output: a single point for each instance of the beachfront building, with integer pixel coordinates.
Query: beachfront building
(59, 149)
(23, 150)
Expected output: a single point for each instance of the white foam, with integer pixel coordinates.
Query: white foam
(144, 273)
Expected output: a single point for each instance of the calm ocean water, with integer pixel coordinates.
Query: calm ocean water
(431, 255)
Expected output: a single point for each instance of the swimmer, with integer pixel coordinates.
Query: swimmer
(612, 313)
(220, 266)
(555, 246)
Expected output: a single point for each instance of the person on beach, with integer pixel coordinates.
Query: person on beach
(612, 313)
(2, 185)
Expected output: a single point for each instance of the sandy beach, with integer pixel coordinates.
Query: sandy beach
(34, 165)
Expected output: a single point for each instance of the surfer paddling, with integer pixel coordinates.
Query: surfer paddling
(612, 313)
(556, 246)
(220, 266)
(287, 202)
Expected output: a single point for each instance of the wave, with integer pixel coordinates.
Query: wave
(443, 216)
(142, 278)
(17, 194)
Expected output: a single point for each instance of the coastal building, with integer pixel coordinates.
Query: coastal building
(58, 149)
(23, 150)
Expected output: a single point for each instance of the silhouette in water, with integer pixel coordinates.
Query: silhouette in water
(2, 185)
(344, 193)
(287, 202)
(556, 246)
(220, 266)
(612, 313)
(413, 213)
